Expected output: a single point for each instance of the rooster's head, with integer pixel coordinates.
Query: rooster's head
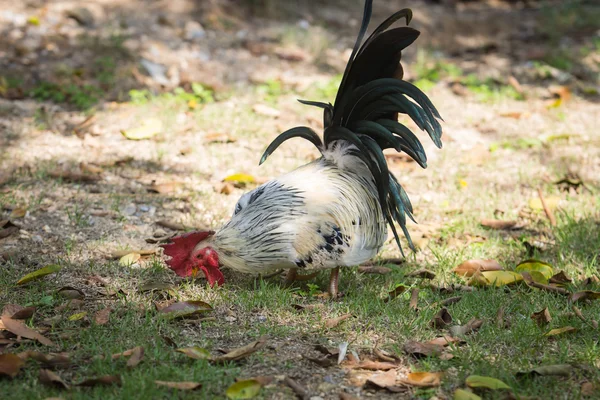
(189, 255)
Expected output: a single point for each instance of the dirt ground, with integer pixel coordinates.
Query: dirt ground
(80, 190)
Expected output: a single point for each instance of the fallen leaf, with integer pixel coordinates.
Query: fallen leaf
(542, 317)
(471, 326)
(69, 292)
(15, 311)
(137, 356)
(441, 319)
(10, 364)
(40, 273)
(423, 379)
(186, 309)
(78, 316)
(501, 278)
(423, 273)
(584, 295)
(19, 329)
(179, 385)
(242, 352)
(477, 381)
(324, 362)
(219, 137)
(197, 353)
(535, 266)
(18, 213)
(106, 380)
(499, 224)
(549, 288)
(165, 187)
(141, 252)
(419, 349)
(49, 378)
(560, 331)
(129, 259)
(384, 355)
(373, 365)
(414, 299)
(384, 380)
(333, 322)
(245, 389)
(8, 230)
(240, 179)
(461, 394)
(448, 301)
(548, 370)
(53, 360)
(150, 127)
(102, 316)
(445, 340)
(468, 268)
(370, 269)
(560, 278)
(395, 293)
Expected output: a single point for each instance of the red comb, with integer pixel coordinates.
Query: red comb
(180, 251)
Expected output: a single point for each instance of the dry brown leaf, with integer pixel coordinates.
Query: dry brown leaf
(266, 110)
(242, 352)
(384, 380)
(542, 317)
(219, 137)
(499, 224)
(395, 293)
(584, 295)
(6, 232)
(549, 288)
(137, 355)
(53, 360)
(165, 187)
(19, 329)
(384, 355)
(49, 378)
(179, 385)
(560, 278)
(102, 316)
(471, 326)
(470, 267)
(445, 340)
(414, 299)
(18, 213)
(441, 319)
(419, 349)
(10, 364)
(423, 379)
(105, 380)
(333, 322)
(373, 365)
(16, 311)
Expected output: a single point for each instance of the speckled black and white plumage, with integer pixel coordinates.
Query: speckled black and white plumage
(322, 215)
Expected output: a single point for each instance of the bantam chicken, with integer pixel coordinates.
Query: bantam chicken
(334, 211)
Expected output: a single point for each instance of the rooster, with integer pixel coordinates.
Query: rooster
(334, 211)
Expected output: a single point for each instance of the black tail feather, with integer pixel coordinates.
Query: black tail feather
(364, 113)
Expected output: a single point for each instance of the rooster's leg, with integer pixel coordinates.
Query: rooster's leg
(293, 276)
(333, 283)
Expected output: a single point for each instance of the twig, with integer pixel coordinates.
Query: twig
(297, 388)
(577, 312)
(546, 209)
(554, 289)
